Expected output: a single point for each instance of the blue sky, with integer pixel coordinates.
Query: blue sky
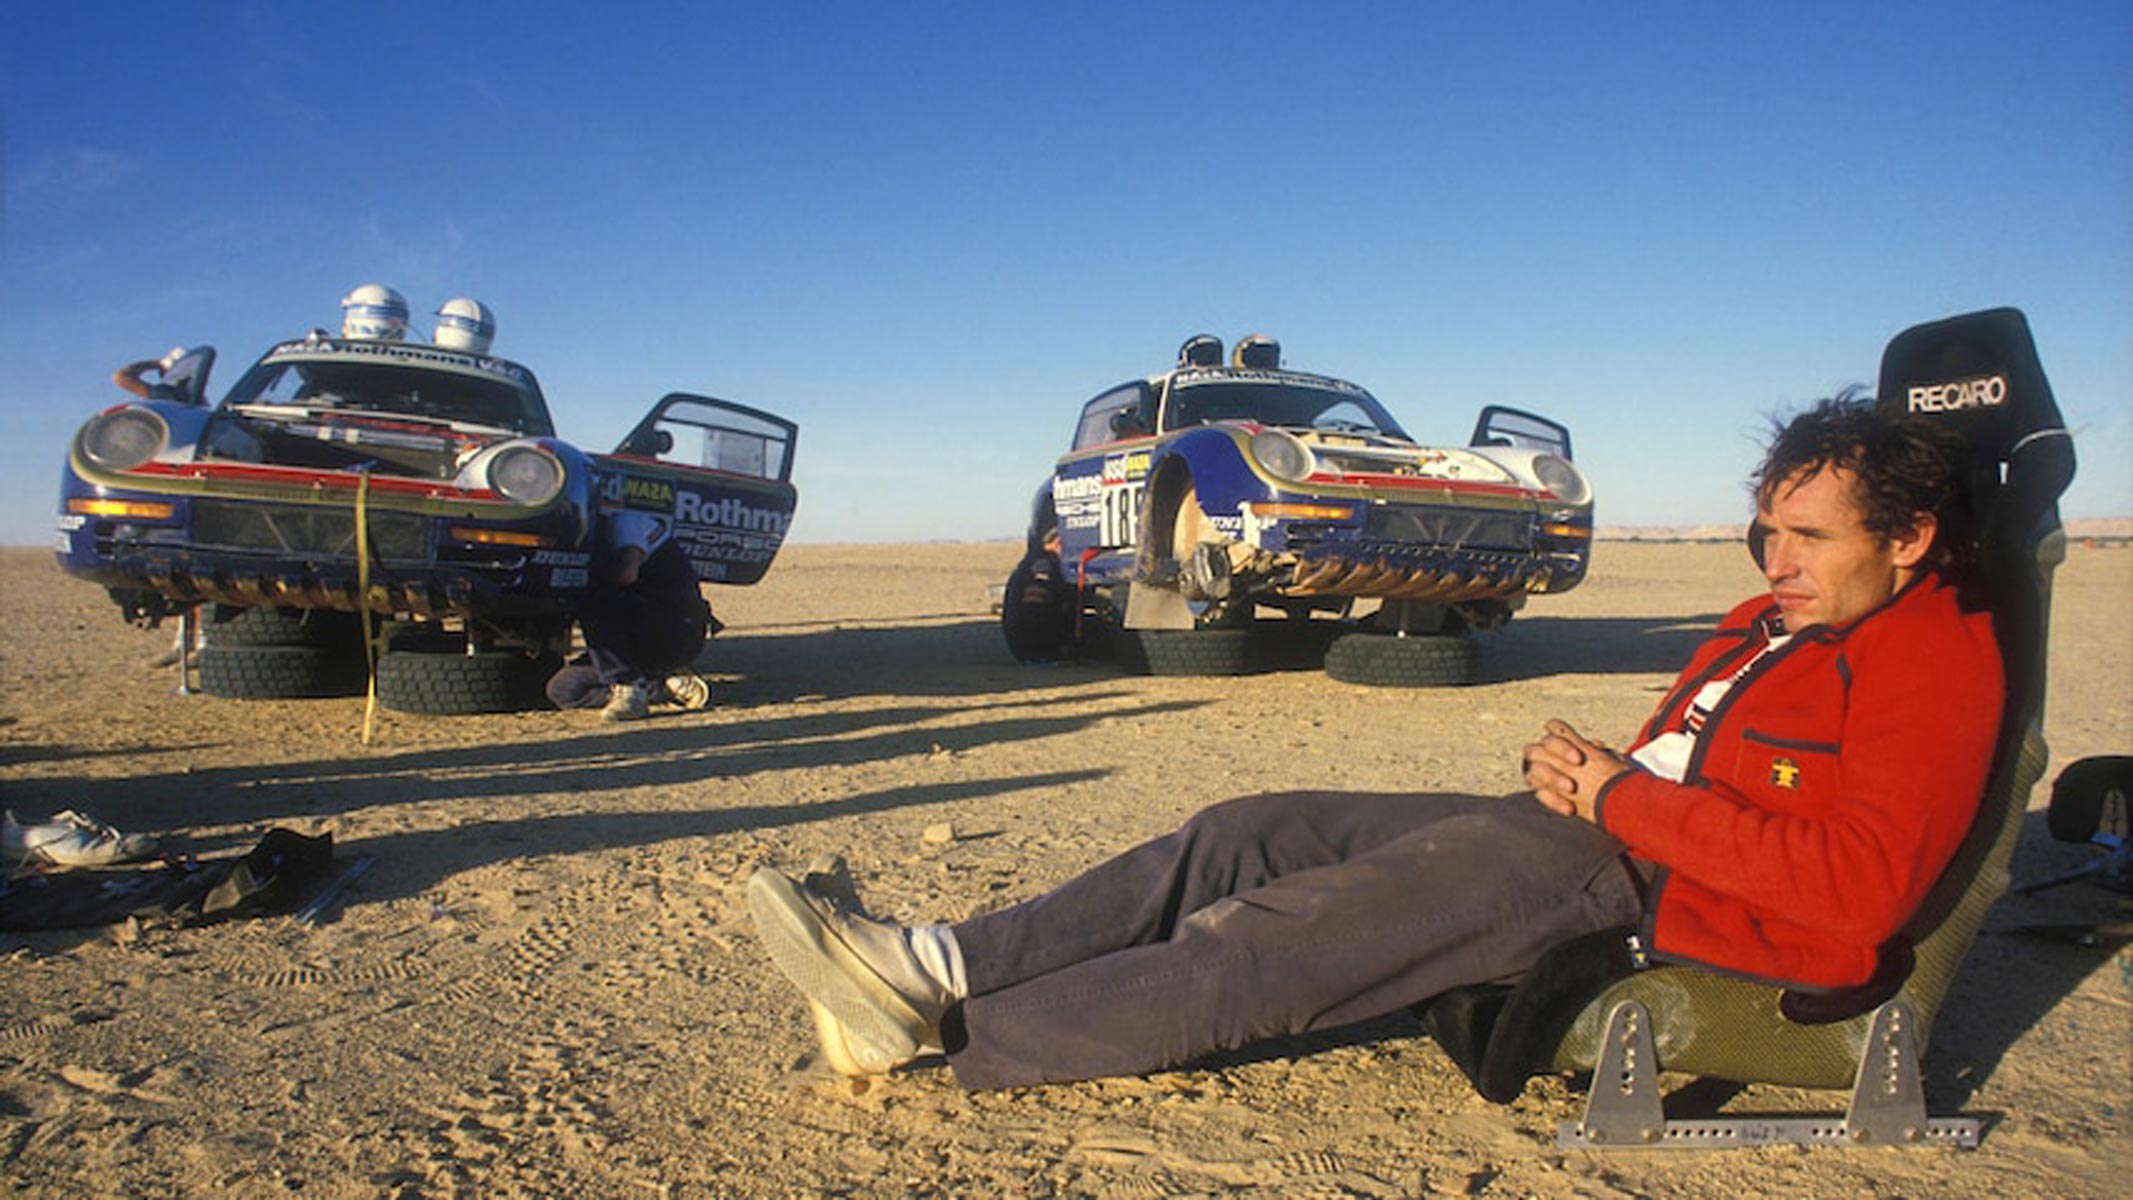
(929, 232)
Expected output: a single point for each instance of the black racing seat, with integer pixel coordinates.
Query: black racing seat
(1585, 1007)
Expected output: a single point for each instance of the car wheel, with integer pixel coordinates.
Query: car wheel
(233, 626)
(281, 672)
(1417, 660)
(452, 684)
(1193, 651)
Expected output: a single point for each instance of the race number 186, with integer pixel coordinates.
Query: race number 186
(1121, 513)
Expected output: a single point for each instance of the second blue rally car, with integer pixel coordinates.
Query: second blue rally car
(1196, 500)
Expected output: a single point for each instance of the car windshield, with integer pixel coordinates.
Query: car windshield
(425, 392)
(1289, 405)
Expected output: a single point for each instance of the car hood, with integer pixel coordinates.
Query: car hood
(1363, 456)
(319, 438)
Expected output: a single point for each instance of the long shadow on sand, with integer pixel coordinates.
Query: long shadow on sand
(1535, 647)
(963, 658)
(12, 756)
(967, 658)
(414, 863)
(656, 754)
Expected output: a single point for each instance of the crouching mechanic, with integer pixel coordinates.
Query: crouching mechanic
(644, 622)
(1038, 609)
(1781, 815)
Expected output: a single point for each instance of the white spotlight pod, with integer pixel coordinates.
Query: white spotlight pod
(374, 312)
(1257, 351)
(465, 324)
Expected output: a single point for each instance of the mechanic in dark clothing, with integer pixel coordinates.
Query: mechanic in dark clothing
(1780, 816)
(1037, 610)
(644, 622)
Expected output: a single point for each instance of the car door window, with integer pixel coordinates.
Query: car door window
(1501, 426)
(698, 431)
(1096, 416)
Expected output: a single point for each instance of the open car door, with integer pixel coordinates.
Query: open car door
(722, 472)
(186, 377)
(1501, 426)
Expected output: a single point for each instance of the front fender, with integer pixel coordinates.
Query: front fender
(1214, 463)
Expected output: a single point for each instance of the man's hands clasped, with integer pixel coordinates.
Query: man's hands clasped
(1567, 770)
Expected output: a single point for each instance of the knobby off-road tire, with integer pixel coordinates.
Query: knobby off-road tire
(453, 684)
(280, 672)
(1228, 650)
(231, 626)
(1417, 660)
(1194, 651)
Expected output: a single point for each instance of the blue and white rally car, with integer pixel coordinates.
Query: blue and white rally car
(1194, 499)
(421, 481)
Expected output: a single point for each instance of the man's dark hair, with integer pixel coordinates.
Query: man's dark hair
(1903, 465)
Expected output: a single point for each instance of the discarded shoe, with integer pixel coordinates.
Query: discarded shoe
(627, 702)
(689, 691)
(874, 1006)
(71, 839)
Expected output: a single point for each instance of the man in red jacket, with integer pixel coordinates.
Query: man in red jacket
(1780, 817)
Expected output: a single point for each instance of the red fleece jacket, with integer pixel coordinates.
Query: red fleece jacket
(1826, 793)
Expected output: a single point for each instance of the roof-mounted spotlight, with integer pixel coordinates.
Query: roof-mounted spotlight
(1258, 351)
(1201, 350)
(465, 324)
(374, 312)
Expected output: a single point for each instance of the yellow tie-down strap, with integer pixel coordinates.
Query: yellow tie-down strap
(370, 641)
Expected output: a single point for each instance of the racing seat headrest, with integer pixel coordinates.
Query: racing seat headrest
(1979, 375)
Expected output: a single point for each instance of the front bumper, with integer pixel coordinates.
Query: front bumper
(258, 553)
(1436, 554)
(1428, 574)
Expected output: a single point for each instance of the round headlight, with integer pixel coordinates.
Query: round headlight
(1282, 455)
(123, 438)
(525, 475)
(1558, 476)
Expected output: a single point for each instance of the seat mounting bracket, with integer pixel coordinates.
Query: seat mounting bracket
(1888, 1106)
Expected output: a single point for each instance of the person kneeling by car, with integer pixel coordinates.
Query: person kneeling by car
(1037, 610)
(644, 622)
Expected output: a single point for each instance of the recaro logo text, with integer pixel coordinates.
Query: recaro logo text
(1986, 391)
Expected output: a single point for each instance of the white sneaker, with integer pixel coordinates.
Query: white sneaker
(874, 1006)
(627, 702)
(688, 691)
(70, 839)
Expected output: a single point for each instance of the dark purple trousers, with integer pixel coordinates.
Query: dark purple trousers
(631, 635)
(1275, 915)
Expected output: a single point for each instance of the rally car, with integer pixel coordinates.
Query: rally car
(1194, 500)
(421, 481)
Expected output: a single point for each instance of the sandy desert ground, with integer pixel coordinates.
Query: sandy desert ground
(548, 987)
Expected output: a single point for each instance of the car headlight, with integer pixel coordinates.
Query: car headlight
(1558, 476)
(123, 438)
(526, 475)
(1282, 455)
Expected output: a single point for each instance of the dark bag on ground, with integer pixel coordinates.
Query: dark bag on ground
(272, 877)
